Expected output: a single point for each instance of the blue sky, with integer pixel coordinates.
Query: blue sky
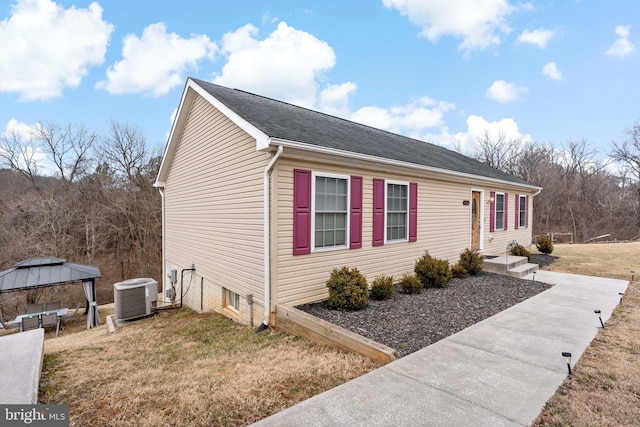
(443, 71)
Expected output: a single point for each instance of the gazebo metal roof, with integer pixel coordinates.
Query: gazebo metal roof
(45, 271)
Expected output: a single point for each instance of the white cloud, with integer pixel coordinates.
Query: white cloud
(334, 99)
(502, 92)
(551, 71)
(287, 65)
(539, 37)
(466, 142)
(156, 62)
(622, 47)
(46, 48)
(412, 119)
(477, 22)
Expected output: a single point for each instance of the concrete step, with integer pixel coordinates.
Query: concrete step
(522, 270)
(501, 264)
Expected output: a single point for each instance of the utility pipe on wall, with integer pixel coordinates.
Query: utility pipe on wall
(267, 240)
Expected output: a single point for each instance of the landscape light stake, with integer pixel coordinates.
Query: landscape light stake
(567, 358)
(632, 275)
(534, 276)
(621, 295)
(599, 317)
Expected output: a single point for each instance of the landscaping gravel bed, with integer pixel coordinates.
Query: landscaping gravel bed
(408, 323)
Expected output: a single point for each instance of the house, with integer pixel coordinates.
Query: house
(262, 199)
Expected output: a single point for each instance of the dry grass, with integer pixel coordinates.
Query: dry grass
(605, 387)
(184, 368)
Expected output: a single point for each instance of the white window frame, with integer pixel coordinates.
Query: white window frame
(522, 219)
(388, 182)
(495, 212)
(314, 175)
(232, 300)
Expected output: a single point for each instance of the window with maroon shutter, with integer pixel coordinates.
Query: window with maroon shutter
(506, 211)
(492, 212)
(378, 212)
(301, 212)
(413, 211)
(355, 220)
(517, 211)
(498, 210)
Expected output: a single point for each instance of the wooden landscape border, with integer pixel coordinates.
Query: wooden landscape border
(297, 322)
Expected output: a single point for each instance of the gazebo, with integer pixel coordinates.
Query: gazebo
(50, 271)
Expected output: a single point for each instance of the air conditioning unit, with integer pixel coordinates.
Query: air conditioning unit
(134, 298)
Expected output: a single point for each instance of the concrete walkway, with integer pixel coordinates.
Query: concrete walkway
(21, 356)
(499, 372)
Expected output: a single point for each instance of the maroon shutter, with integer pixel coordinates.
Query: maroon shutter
(505, 213)
(355, 232)
(378, 212)
(526, 213)
(413, 211)
(517, 223)
(301, 212)
(492, 212)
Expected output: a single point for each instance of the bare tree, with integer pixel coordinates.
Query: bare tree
(67, 147)
(20, 153)
(628, 153)
(125, 149)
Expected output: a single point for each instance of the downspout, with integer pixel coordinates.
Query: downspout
(164, 266)
(267, 240)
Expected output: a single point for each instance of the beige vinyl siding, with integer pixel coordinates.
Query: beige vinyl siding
(214, 207)
(443, 229)
(496, 242)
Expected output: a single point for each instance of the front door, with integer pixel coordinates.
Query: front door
(475, 221)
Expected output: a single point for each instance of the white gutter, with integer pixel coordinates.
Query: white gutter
(267, 240)
(370, 158)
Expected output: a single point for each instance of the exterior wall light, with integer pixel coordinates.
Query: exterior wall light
(567, 359)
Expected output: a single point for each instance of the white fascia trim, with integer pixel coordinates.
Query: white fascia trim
(262, 140)
(365, 157)
(190, 89)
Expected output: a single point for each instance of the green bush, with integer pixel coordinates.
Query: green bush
(410, 284)
(545, 245)
(382, 288)
(519, 250)
(348, 289)
(471, 261)
(432, 272)
(459, 272)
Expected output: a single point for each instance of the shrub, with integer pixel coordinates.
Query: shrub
(519, 250)
(382, 288)
(459, 272)
(348, 289)
(410, 284)
(545, 245)
(432, 272)
(471, 261)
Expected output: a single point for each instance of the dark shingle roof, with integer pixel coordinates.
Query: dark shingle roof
(279, 119)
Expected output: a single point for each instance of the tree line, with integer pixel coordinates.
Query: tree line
(585, 193)
(70, 192)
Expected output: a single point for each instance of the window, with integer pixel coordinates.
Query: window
(397, 211)
(232, 300)
(327, 211)
(330, 211)
(522, 211)
(499, 211)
